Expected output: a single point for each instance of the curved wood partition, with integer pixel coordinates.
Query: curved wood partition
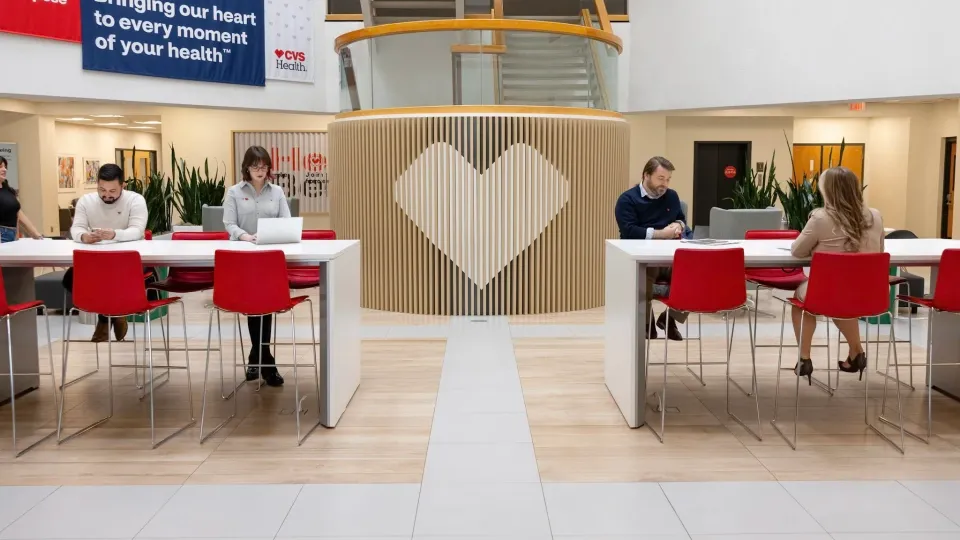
(470, 212)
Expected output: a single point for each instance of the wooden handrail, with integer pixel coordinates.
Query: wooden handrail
(597, 68)
(603, 16)
(454, 25)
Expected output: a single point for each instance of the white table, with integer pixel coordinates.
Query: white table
(339, 312)
(625, 310)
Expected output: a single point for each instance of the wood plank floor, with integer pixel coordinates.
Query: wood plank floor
(579, 434)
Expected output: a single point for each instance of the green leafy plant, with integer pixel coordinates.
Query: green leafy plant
(754, 190)
(802, 196)
(157, 191)
(193, 190)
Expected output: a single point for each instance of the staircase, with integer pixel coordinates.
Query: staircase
(552, 70)
(391, 11)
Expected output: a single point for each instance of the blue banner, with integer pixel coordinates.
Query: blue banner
(199, 40)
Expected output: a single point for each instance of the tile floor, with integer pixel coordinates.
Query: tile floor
(499, 439)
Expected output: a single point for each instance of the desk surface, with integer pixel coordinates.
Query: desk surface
(919, 252)
(165, 253)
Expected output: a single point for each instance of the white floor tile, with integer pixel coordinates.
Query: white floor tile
(898, 536)
(486, 463)
(944, 496)
(498, 510)
(15, 501)
(607, 509)
(480, 400)
(223, 511)
(738, 508)
(353, 510)
(460, 427)
(625, 537)
(812, 536)
(868, 507)
(91, 512)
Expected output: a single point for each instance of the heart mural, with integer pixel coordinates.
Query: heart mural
(481, 221)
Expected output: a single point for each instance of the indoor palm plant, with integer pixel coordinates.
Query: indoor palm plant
(193, 190)
(754, 190)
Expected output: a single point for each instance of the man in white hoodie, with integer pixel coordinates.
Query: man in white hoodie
(110, 214)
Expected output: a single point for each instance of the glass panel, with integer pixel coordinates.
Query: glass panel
(530, 8)
(478, 68)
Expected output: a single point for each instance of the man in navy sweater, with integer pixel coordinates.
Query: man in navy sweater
(651, 211)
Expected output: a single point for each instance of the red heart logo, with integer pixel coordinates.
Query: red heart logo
(278, 52)
(317, 159)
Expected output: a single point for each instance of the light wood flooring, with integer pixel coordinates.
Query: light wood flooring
(579, 434)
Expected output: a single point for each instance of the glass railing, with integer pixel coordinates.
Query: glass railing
(478, 62)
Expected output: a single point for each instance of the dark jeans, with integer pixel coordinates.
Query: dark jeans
(658, 282)
(151, 294)
(7, 234)
(258, 338)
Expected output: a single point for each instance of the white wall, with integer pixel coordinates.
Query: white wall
(91, 142)
(708, 53)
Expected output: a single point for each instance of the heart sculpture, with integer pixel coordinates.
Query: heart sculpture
(481, 221)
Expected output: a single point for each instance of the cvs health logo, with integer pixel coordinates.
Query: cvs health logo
(296, 56)
(49, 19)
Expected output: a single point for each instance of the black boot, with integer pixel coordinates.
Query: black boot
(673, 333)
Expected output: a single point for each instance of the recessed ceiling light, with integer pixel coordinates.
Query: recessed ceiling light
(140, 127)
(107, 115)
(74, 119)
(148, 122)
(110, 124)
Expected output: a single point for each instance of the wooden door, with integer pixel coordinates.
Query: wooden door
(949, 183)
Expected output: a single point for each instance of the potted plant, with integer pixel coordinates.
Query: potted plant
(756, 191)
(802, 197)
(194, 190)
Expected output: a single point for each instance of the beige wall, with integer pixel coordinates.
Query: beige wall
(648, 138)
(92, 142)
(766, 134)
(199, 134)
(37, 166)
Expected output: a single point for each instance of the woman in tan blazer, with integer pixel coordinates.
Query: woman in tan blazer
(844, 224)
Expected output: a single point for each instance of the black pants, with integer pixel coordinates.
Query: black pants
(258, 338)
(151, 294)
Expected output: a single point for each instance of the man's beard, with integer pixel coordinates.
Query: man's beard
(108, 201)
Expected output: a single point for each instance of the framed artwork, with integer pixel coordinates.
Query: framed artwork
(811, 159)
(90, 169)
(139, 164)
(66, 171)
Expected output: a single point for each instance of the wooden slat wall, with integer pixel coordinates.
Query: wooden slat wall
(513, 222)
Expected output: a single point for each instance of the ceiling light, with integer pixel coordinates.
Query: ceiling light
(140, 127)
(111, 124)
(107, 115)
(148, 122)
(74, 119)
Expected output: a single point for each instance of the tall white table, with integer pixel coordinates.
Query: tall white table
(339, 309)
(625, 311)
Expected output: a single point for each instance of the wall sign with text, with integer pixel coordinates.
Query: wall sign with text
(299, 164)
(51, 19)
(200, 40)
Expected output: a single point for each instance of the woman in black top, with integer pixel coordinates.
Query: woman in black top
(11, 216)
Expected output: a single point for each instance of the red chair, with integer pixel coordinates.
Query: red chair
(261, 289)
(7, 312)
(946, 299)
(123, 295)
(302, 277)
(844, 286)
(706, 281)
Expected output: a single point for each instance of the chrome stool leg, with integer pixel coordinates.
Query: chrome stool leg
(12, 374)
(728, 334)
(896, 367)
(60, 438)
(206, 371)
(776, 398)
(154, 385)
(67, 313)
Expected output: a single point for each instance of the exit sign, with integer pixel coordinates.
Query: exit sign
(858, 107)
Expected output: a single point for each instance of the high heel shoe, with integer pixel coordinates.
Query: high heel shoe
(854, 365)
(804, 368)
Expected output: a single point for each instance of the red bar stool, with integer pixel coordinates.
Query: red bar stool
(125, 296)
(261, 288)
(781, 279)
(844, 286)
(706, 281)
(946, 299)
(7, 312)
(185, 280)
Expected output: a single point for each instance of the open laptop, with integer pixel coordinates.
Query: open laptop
(279, 230)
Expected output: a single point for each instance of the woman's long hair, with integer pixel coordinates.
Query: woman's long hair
(843, 202)
(6, 185)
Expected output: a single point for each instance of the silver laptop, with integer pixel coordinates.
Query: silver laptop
(279, 230)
